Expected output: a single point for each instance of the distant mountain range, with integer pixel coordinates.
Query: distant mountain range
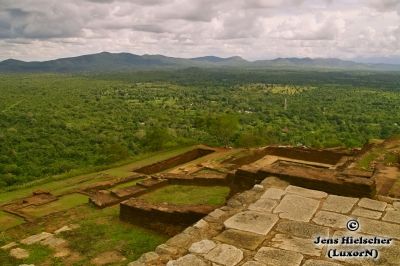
(114, 62)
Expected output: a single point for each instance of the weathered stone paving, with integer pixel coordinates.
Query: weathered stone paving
(276, 224)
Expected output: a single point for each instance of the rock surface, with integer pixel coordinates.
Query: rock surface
(36, 238)
(19, 253)
(297, 208)
(252, 221)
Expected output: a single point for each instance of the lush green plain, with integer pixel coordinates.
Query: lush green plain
(56, 124)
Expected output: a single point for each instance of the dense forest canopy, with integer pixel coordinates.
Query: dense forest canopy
(53, 123)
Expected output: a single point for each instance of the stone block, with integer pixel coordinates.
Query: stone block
(35, 238)
(278, 257)
(202, 247)
(226, 255)
(251, 221)
(366, 213)
(308, 193)
(339, 204)
(313, 262)
(300, 245)
(273, 193)
(189, 259)
(372, 204)
(297, 208)
(302, 229)
(19, 253)
(240, 239)
(392, 216)
(331, 219)
(263, 205)
(379, 228)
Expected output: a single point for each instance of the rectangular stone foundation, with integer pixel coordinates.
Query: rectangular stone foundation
(165, 217)
(328, 180)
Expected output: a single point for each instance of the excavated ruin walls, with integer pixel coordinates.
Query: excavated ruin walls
(196, 180)
(304, 154)
(244, 179)
(174, 161)
(166, 218)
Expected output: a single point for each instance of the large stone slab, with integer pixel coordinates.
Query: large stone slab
(366, 213)
(301, 245)
(226, 255)
(53, 242)
(331, 219)
(302, 229)
(252, 221)
(339, 204)
(320, 263)
(273, 193)
(379, 228)
(263, 205)
(240, 239)
(278, 257)
(202, 247)
(189, 259)
(35, 238)
(392, 216)
(9, 245)
(372, 204)
(19, 253)
(309, 193)
(297, 208)
(253, 263)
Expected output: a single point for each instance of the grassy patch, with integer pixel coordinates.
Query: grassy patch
(181, 194)
(64, 203)
(37, 254)
(366, 160)
(103, 231)
(7, 221)
(128, 184)
(391, 158)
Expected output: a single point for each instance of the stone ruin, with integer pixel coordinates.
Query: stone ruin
(281, 199)
(276, 223)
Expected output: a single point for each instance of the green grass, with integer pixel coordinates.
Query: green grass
(128, 184)
(391, 158)
(64, 203)
(182, 194)
(377, 154)
(37, 254)
(8, 220)
(102, 231)
(365, 161)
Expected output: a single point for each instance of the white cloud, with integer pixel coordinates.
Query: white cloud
(254, 29)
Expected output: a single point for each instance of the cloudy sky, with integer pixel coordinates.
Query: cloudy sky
(253, 29)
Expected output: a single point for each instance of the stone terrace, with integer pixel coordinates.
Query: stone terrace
(275, 224)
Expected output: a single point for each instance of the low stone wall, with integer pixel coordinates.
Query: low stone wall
(197, 180)
(345, 183)
(306, 154)
(174, 161)
(165, 217)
